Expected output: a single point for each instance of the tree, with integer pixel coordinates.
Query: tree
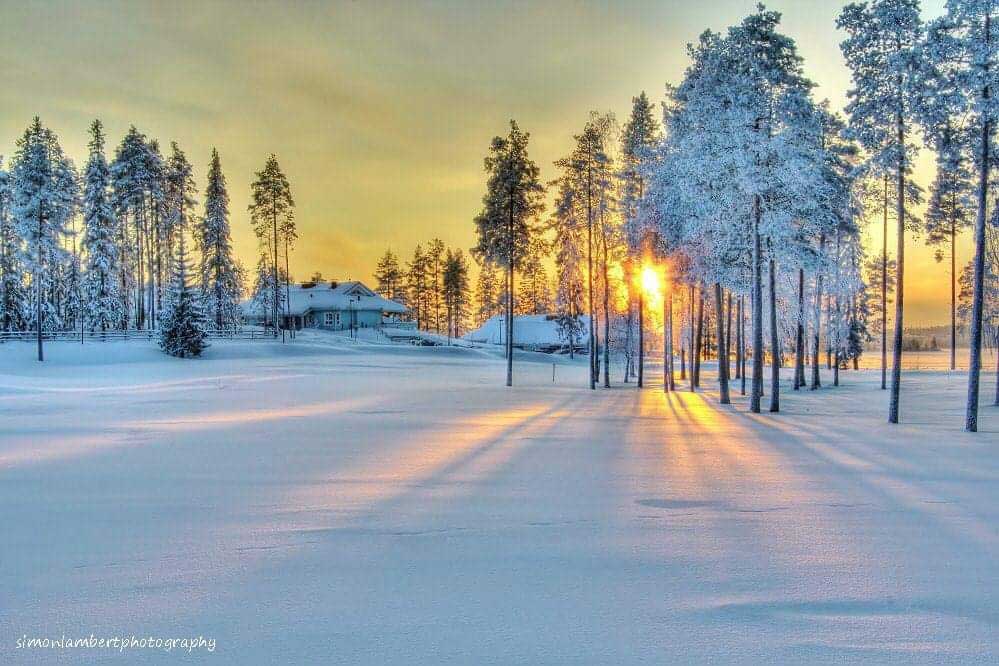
(948, 213)
(221, 277)
(137, 179)
(101, 296)
(513, 201)
(44, 201)
(487, 297)
(534, 295)
(454, 280)
(435, 266)
(962, 58)
(880, 52)
(183, 329)
(271, 209)
(587, 174)
(640, 135)
(389, 276)
(13, 299)
(566, 227)
(417, 287)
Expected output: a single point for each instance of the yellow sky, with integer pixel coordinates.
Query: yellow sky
(380, 113)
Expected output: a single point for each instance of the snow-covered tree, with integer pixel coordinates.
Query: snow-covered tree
(13, 298)
(44, 200)
(102, 302)
(638, 139)
(880, 50)
(221, 277)
(137, 179)
(587, 172)
(183, 330)
(962, 53)
(513, 201)
(271, 208)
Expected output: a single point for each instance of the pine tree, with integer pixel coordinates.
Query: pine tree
(137, 179)
(435, 256)
(949, 213)
(183, 328)
(640, 135)
(880, 52)
(417, 292)
(13, 298)
(486, 294)
(455, 286)
(271, 208)
(221, 277)
(587, 172)
(44, 200)
(389, 276)
(534, 295)
(102, 301)
(513, 201)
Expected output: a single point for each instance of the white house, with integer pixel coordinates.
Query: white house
(332, 305)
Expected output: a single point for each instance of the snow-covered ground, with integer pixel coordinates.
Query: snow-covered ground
(330, 501)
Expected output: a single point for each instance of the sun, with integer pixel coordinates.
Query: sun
(650, 281)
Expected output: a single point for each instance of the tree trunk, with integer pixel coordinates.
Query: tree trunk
(774, 342)
(589, 280)
(799, 339)
(978, 298)
(722, 348)
(641, 337)
(38, 291)
(896, 368)
(691, 347)
(668, 384)
(884, 292)
(509, 297)
(287, 284)
(728, 337)
(603, 233)
(698, 340)
(757, 389)
(816, 378)
(738, 337)
(953, 293)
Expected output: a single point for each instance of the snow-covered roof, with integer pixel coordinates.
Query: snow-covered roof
(527, 330)
(350, 295)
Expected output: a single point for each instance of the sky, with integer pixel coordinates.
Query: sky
(380, 113)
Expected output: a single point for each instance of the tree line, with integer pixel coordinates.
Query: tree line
(752, 198)
(119, 269)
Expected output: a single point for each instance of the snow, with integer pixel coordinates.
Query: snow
(530, 330)
(336, 501)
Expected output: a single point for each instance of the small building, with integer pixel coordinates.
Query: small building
(336, 306)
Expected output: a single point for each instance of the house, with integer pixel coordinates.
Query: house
(336, 306)
(530, 332)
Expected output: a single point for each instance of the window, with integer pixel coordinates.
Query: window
(328, 319)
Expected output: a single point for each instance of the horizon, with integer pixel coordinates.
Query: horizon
(383, 139)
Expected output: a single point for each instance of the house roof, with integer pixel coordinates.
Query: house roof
(350, 295)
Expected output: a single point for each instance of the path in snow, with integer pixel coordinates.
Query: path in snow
(331, 503)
